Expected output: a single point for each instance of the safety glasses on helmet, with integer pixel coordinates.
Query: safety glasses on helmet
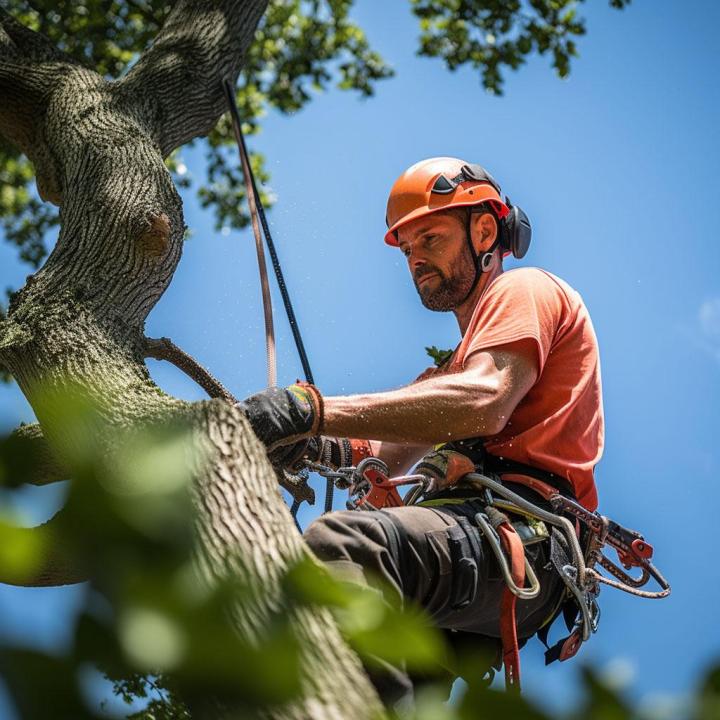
(468, 173)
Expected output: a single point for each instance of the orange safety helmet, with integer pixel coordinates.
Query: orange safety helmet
(439, 184)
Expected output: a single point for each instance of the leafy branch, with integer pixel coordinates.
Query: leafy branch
(439, 357)
(490, 35)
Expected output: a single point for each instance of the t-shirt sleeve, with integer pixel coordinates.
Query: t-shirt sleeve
(517, 306)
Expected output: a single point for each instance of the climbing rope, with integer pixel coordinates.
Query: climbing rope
(257, 211)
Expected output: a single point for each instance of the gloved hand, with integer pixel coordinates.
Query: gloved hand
(318, 449)
(444, 467)
(332, 452)
(290, 457)
(284, 416)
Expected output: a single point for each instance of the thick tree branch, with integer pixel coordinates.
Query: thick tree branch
(31, 70)
(179, 78)
(57, 564)
(27, 45)
(166, 349)
(76, 325)
(29, 459)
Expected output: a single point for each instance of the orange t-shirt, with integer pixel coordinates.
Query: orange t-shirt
(558, 425)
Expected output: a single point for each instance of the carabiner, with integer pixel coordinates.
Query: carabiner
(494, 540)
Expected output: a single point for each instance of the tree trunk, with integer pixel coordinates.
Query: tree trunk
(98, 149)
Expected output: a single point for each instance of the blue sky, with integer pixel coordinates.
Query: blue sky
(617, 170)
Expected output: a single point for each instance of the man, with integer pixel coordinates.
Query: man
(523, 384)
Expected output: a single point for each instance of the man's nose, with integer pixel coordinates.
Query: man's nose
(415, 259)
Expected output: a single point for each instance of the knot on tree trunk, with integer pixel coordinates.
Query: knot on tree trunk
(155, 238)
(47, 184)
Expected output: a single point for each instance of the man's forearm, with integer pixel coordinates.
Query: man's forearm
(435, 410)
(399, 457)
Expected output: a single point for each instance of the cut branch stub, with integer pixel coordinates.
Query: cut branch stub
(155, 240)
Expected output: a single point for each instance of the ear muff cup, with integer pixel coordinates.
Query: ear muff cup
(517, 231)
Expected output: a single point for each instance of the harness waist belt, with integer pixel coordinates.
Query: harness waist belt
(498, 465)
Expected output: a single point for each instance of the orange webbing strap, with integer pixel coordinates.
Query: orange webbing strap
(508, 626)
(360, 450)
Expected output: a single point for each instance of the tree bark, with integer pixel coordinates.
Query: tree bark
(44, 467)
(98, 149)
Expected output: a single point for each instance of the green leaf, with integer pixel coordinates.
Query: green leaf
(42, 686)
(438, 356)
(376, 630)
(601, 701)
(707, 703)
(373, 622)
(22, 551)
(482, 703)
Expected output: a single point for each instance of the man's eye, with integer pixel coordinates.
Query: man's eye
(405, 251)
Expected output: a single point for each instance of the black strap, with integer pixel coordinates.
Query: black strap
(294, 512)
(473, 535)
(474, 448)
(465, 555)
(553, 653)
(568, 608)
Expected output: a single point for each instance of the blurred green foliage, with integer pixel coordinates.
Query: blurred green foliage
(128, 522)
(163, 635)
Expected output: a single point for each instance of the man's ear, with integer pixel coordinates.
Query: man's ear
(483, 230)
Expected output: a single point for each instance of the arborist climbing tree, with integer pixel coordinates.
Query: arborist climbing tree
(519, 400)
(98, 150)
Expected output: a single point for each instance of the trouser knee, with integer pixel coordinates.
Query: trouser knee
(355, 546)
(319, 538)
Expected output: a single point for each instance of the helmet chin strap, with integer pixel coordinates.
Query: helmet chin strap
(483, 262)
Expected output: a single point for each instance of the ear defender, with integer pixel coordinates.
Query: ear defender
(516, 231)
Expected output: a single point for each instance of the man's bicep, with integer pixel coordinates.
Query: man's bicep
(511, 370)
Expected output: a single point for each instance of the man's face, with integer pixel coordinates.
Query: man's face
(439, 259)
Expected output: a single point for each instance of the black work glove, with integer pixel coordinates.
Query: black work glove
(291, 457)
(332, 452)
(329, 451)
(284, 416)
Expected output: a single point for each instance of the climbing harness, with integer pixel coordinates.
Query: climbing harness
(369, 486)
(578, 538)
(257, 212)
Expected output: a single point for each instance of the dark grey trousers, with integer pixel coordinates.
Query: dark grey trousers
(436, 557)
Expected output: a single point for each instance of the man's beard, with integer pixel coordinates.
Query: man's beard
(448, 291)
